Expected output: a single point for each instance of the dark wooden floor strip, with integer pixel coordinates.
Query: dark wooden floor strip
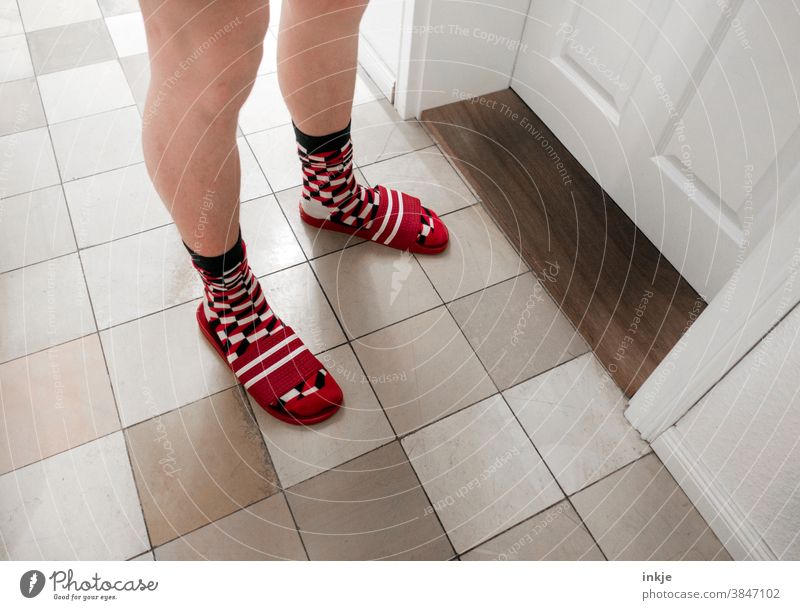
(627, 301)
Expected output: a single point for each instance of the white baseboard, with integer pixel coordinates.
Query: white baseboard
(726, 519)
(376, 68)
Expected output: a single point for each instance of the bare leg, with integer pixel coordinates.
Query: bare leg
(317, 51)
(204, 55)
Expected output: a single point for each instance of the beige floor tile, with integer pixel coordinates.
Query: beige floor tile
(28, 162)
(113, 205)
(35, 227)
(299, 453)
(423, 369)
(137, 71)
(98, 143)
(478, 255)
(254, 184)
(79, 92)
(127, 32)
(43, 305)
(639, 513)
(574, 415)
(517, 330)
(41, 14)
(54, 400)
(296, 297)
(20, 106)
(161, 362)
(315, 242)
(481, 472)
(371, 286)
(425, 174)
(139, 275)
(370, 508)
(379, 133)
(271, 245)
(276, 151)
(263, 531)
(15, 60)
(198, 464)
(77, 505)
(556, 534)
(70, 46)
(264, 107)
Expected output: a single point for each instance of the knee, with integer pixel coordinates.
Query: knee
(210, 71)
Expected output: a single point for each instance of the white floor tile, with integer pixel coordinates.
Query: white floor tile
(481, 472)
(43, 305)
(20, 106)
(161, 362)
(360, 425)
(264, 107)
(78, 505)
(296, 297)
(379, 133)
(139, 275)
(98, 143)
(127, 32)
(79, 92)
(271, 245)
(478, 255)
(254, 184)
(425, 174)
(113, 205)
(28, 162)
(41, 14)
(15, 60)
(574, 415)
(276, 152)
(366, 91)
(34, 228)
(118, 7)
(371, 286)
(10, 20)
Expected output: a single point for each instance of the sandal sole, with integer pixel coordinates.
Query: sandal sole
(326, 225)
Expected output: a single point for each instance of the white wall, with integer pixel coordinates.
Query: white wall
(380, 29)
(746, 433)
(452, 70)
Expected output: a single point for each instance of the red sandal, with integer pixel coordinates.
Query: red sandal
(396, 222)
(267, 357)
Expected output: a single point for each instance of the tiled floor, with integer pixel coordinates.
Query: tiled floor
(477, 423)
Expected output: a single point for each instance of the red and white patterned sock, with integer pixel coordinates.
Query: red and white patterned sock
(260, 349)
(331, 193)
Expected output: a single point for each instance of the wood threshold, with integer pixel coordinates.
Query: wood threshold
(628, 302)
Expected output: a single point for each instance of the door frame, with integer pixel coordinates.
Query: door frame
(758, 295)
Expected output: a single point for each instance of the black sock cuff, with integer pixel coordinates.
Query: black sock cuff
(217, 265)
(329, 142)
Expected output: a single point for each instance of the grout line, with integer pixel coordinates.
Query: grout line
(281, 488)
(519, 423)
(94, 319)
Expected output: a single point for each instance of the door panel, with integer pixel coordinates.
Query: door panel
(686, 113)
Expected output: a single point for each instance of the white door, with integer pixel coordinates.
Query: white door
(687, 113)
